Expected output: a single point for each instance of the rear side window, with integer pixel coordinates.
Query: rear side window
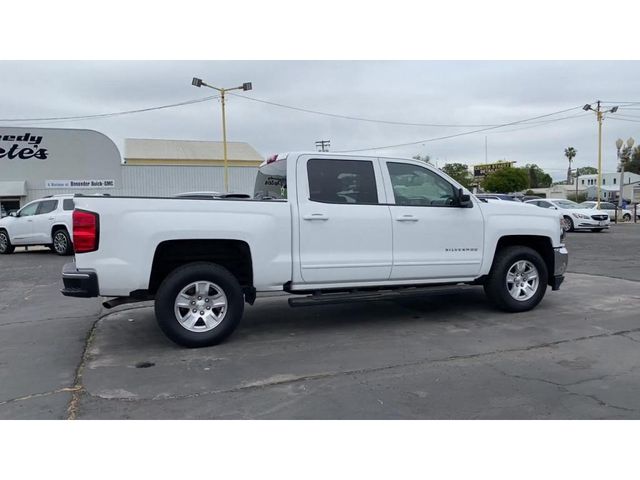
(271, 182)
(47, 206)
(342, 181)
(67, 204)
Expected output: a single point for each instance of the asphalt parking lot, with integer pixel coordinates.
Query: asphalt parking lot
(449, 356)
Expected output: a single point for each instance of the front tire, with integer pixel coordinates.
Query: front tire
(567, 224)
(518, 278)
(5, 243)
(626, 218)
(199, 305)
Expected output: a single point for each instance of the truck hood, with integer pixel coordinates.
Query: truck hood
(516, 208)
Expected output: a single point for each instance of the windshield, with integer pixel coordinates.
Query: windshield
(567, 204)
(271, 182)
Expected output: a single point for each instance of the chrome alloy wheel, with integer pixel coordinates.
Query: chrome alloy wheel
(200, 306)
(522, 280)
(60, 243)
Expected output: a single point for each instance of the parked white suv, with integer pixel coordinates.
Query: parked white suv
(575, 217)
(47, 222)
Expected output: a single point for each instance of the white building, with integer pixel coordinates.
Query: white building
(37, 162)
(166, 167)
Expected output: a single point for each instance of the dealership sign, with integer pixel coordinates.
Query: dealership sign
(22, 147)
(90, 183)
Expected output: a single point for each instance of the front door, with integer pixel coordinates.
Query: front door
(21, 228)
(433, 238)
(345, 228)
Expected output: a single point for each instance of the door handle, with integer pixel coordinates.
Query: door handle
(29, 220)
(52, 218)
(315, 216)
(407, 218)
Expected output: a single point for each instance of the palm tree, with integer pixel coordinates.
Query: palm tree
(569, 152)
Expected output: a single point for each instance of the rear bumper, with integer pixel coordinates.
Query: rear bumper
(79, 283)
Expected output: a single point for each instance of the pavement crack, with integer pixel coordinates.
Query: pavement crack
(38, 395)
(78, 388)
(288, 379)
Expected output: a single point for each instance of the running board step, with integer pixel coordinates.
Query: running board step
(359, 296)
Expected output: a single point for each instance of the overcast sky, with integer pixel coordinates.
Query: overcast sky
(425, 92)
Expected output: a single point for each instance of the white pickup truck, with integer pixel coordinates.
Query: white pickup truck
(332, 227)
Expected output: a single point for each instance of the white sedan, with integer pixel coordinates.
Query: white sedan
(610, 209)
(574, 216)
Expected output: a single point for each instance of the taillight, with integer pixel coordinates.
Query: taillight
(86, 231)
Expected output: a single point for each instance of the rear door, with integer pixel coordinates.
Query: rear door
(433, 238)
(345, 227)
(43, 221)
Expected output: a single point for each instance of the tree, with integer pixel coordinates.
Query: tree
(587, 171)
(570, 153)
(459, 172)
(633, 165)
(425, 159)
(538, 178)
(506, 180)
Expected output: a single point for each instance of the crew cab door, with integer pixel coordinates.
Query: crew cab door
(43, 221)
(344, 225)
(433, 238)
(21, 228)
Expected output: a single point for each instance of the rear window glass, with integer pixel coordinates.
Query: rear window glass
(47, 206)
(67, 204)
(271, 182)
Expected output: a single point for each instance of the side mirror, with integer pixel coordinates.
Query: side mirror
(464, 199)
(13, 214)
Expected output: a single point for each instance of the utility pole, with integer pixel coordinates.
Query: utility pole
(323, 145)
(599, 116)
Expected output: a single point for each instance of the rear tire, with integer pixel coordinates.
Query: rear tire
(205, 327)
(626, 218)
(5, 243)
(502, 284)
(62, 242)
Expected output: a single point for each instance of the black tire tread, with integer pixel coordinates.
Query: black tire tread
(184, 275)
(495, 287)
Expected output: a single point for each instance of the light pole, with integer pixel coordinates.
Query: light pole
(619, 143)
(599, 116)
(197, 82)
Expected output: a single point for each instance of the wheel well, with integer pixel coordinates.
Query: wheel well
(234, 255)
(55, 228)
(540, 244)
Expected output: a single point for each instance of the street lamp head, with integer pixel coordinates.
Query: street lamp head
(619, 143)
(613, 109)
(587, 107)
(196, 82)
(246, 86)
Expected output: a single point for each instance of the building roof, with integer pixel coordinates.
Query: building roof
(139, 151)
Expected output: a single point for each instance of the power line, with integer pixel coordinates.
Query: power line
(363, 119)
(112, 114)
(462, 133)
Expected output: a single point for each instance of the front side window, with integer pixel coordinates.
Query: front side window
(29, 210)
(47, 206)
(415, 185)
(342, 181)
